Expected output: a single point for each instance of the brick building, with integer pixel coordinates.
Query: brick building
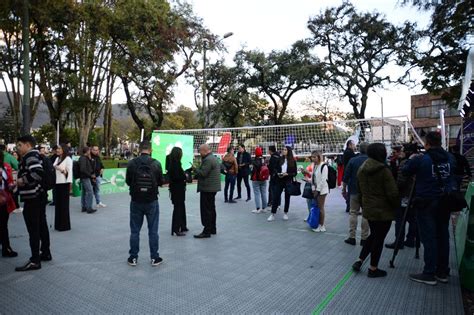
(425, 115)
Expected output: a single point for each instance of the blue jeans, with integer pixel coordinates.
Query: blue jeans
(260, 193)
(229, 181)
(139, 210)
(96, 187)
(433, 225)
(86, 195)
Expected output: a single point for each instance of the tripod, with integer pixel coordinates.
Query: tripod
(401, 234)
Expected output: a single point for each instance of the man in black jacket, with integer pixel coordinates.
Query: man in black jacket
(98, 171)
(272, 167)
(87, 176)
(144, 176)
(243, 159)
(30, 178)
(348, 154)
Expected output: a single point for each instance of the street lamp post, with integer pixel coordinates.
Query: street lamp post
(381, 110)
(26, 69)
(204, 65)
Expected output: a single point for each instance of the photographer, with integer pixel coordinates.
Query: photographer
(433, 219)
(87, 177)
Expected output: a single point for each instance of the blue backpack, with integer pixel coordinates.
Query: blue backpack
(313, 217)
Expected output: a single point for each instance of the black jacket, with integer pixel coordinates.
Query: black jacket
(291, 171)
(462, 165)
(273, 164)
(177, 181)
(246, 159)
(85, 167)
(97, 165)
(347, 156)
(31, 172)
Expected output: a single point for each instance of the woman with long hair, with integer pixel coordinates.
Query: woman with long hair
(259, 184)
(285, 172)
(320, 188)
(63, 166)
(177, 186)
(379, 197)
(6, 206)
(308, 176)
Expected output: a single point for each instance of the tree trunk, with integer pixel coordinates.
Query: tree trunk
(131, 106)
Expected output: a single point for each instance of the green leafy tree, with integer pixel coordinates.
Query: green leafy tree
(280, 74)
(357, 49)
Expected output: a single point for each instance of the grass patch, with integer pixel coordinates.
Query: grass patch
(112, 163)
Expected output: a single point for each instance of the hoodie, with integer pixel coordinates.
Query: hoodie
(378, 191)
(427, 184)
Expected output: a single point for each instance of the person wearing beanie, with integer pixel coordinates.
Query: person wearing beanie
(260, 174)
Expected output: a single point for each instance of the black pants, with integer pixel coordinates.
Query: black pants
(34, 213)
(412, 230)
(62, 221)
(208, 212)
(374, 243)
(4, 237)
(270, 191)
(245, 177)
(229, 182)
(278, 188)
(178, 223)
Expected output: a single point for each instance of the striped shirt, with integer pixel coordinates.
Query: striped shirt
(31, 172)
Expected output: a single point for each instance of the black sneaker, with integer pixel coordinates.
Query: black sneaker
(441, 277)
(156, 261)
(132, 261)
(46, 257)
(232, 201)
(357, 265)
(91, 210)
(377, 273)
(350, 241)
(84, 210)
(423, 278)
(29, 266)
(9, 253)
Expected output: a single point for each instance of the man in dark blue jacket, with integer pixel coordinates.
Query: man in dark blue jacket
(350, 181)
(433, 220)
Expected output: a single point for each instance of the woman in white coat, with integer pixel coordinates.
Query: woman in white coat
(320, 188)
(63, 167)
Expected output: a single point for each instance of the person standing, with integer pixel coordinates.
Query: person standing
(231, 169)
(177, 186)
(9, 158)
(98, 172)
(6, 206)
(349, 183)
(308, 175)
(87, 176)
(63, 167)
(52, 158)
(285, 172)
(209, 183)
(244, 160)
(259, 184)
(30, 178)
(320, 188)
(434, 176)
(272, 167)
(378, 195)
(144, 175)
(348, 154)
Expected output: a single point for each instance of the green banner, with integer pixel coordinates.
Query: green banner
(113, 181)
(162, 143)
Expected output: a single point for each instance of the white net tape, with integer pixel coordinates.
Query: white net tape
(329, 137)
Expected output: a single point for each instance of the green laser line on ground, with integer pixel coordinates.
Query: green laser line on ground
(324, 303)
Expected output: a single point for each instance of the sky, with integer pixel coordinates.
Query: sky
(276, 24)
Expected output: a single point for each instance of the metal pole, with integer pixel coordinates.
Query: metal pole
(461, 137)
(383, 129)
(57, 132)
(26, 69)
(443, 129)
(204, 84)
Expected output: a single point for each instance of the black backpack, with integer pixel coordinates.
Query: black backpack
(144, 181)
(49, 178)
(332, 176)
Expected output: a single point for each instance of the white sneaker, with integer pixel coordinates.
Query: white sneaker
(18, 210)
(317, 230)
(255, 211)
(305, 220)
(263, 211)
(102, 205)
(322, 228)
(271, 218)
(285, 217)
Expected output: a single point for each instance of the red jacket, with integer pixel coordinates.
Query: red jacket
(10, 202)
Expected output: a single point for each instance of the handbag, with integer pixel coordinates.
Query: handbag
(313, 217)
(308, 191)
(454, 201)
(294, 188)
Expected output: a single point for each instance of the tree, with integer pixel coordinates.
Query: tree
(444, 61)
(280, 74)
(358, 47)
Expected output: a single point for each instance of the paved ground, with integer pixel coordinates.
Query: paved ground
(251, 266)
